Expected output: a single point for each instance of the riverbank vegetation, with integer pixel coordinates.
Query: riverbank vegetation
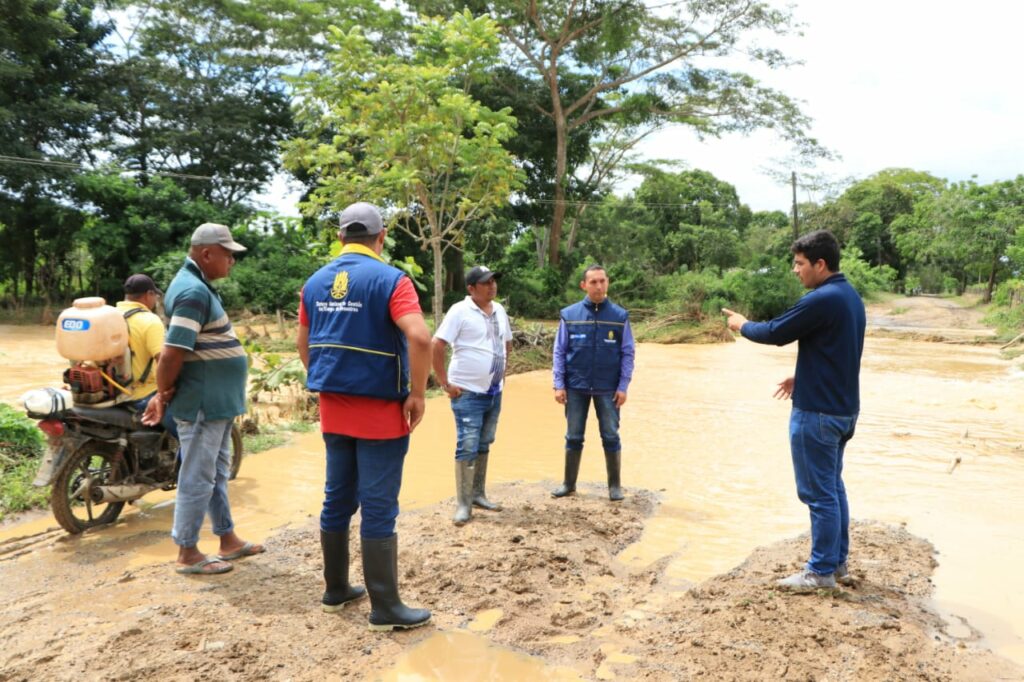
(21, 447)
(127, 125)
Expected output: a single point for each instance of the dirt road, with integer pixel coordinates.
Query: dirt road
(541, 579)
(930, 318)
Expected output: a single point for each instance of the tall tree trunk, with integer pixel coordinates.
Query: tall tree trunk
(561, 144)
(435, 248)
(540, 240)
(991, 280)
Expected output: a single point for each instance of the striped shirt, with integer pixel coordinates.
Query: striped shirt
(214, 373)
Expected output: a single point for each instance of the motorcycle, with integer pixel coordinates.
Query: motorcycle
(100, 458)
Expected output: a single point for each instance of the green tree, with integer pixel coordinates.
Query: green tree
(977, 226)
(699, 218)
(767, 239)
(128, 224)
(49, 80)
(871, 212)
(405, 133)
(643, 66)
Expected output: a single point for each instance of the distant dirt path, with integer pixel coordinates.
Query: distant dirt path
(943, 318)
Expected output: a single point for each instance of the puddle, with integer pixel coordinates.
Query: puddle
(464, 657)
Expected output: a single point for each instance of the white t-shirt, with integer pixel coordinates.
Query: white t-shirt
(478, 345)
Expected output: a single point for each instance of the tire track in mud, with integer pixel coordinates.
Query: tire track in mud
(13, 548)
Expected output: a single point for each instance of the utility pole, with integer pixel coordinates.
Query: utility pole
(796, 218)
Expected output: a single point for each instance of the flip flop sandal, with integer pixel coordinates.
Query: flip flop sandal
(199, 568)
(248, 549)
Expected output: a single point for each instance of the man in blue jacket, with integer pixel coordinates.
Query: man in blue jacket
(593, 361)
(828, 324)
(366, 350)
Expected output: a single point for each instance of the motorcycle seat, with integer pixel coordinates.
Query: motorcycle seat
(115, 416)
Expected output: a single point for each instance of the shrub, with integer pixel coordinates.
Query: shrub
(866, 279)
(760, 294)
(21, 444)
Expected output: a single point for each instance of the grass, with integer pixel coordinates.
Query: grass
(270, 437)
(898, 310)
(21, 448)
(17, 494)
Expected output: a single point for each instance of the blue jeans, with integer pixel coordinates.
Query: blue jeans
(817, 442)
(577, 405)
(366, 473)
(202, 479)
(476, 423)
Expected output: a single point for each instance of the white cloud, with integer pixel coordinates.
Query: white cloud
(925, 85)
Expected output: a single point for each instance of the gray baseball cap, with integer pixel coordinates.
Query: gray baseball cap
(208, 234)
(361, 218)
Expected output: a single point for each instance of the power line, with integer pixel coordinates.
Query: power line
(71, 165)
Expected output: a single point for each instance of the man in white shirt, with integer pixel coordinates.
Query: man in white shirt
(478, 330)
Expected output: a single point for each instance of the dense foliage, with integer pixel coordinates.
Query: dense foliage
(492, 131)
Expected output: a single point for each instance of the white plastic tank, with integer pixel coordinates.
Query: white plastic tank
(91, 330)
(46, 402)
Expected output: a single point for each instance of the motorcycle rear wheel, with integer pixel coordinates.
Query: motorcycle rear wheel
(93, 464)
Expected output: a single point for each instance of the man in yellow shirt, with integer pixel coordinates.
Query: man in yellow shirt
(145, 335)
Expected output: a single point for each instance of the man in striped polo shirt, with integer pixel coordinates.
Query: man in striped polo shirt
(201, 380)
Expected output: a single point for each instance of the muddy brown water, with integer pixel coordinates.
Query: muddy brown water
(702, 429)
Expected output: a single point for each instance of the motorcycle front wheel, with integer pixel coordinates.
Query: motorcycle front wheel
(74, 487)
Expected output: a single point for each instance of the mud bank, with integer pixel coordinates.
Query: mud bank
(539, 580)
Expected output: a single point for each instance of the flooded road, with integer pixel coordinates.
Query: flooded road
(702, 430)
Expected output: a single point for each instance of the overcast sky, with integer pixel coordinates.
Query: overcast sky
(934, 86)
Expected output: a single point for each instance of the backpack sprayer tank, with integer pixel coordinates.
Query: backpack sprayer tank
(94, 337)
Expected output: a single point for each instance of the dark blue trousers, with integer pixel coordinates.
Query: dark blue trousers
(363, 474)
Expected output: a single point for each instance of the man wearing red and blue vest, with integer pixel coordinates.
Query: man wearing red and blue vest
(366, 350)
(593, 361)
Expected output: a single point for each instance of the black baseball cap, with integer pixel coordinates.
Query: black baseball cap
(140, 284)
(480, 274)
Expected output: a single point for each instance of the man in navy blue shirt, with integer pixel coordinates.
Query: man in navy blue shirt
(828, 323)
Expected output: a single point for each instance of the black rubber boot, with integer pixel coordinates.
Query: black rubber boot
(613, 463)
(572, 471)
(464, 473)
(479, 483)
(339, 592)
(380, 569)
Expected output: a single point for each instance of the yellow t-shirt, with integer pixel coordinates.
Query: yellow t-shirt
(146, 338)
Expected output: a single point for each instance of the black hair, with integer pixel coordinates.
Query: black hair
(591, 268)
(818, 245)
(359, 238)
